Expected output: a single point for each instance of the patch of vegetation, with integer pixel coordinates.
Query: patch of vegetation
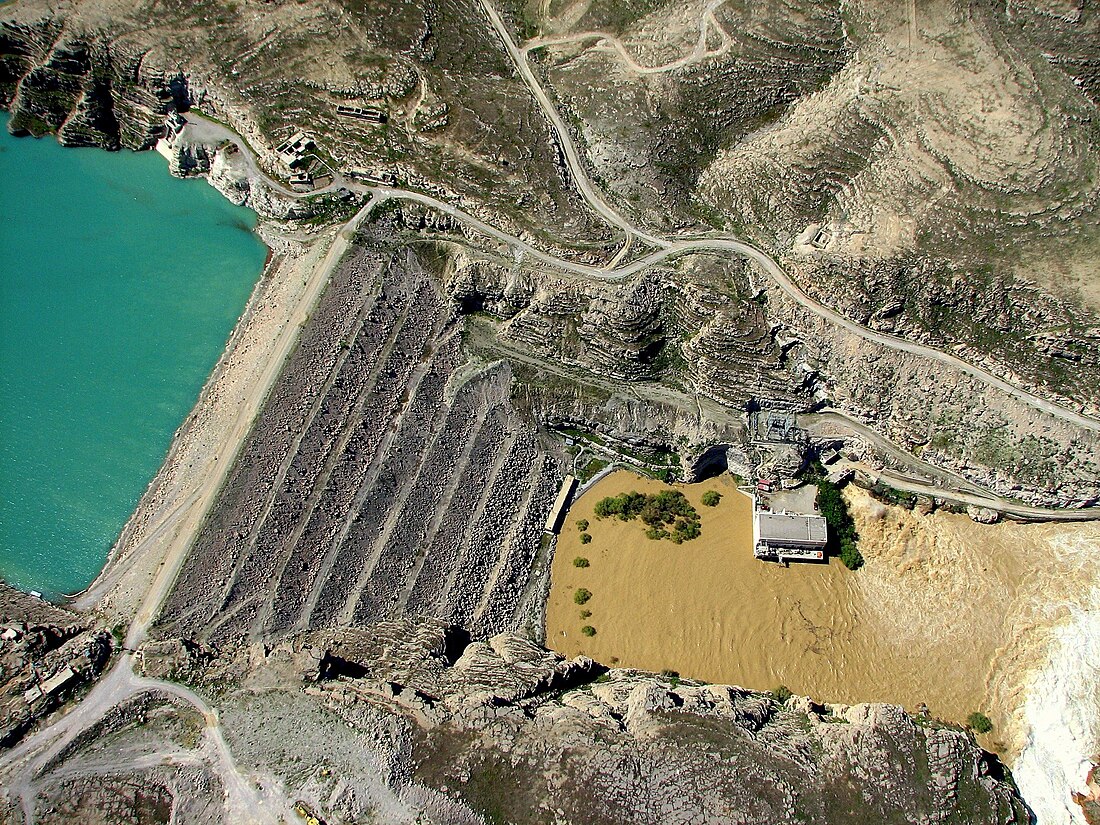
(582, 525)
(843, 539)
(589, 470)
(668, 508)
(667, 475)
(580, 561)
(943, 440)
(586, 614)
(979, 722)
(994, 450)
(586, 538)
(781, 694)
(588, 630)
(711, 498)
(582, 595)
(890, 495)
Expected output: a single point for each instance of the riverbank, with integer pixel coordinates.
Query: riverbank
(121, 285)
(947, 612)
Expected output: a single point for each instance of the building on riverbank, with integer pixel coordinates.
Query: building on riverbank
(561, 503)
(784, 537)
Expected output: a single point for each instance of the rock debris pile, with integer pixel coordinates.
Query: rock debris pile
(387, 476)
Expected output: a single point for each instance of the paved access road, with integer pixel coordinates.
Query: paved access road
(669, 247)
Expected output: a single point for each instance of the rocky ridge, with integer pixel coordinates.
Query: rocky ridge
(504, 729)
(89, 91)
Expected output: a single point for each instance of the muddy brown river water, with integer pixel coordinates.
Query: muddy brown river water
(945, 611)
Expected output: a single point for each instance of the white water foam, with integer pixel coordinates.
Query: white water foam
(1062, 713)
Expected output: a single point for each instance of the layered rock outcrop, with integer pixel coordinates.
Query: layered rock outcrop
(89, 89)
(505, 729)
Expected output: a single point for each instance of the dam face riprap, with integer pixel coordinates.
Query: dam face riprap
(386, 476)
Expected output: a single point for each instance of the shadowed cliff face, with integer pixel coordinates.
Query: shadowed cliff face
(88, 89)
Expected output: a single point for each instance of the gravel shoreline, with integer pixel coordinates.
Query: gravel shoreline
(206, 443)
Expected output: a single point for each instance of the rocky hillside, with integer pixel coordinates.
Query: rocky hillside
(88, 89)
(933, 173)
(46, 655)
(824, 134)
(416, 717)
(458, 123)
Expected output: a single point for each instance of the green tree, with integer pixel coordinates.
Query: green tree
(580, 561)
(588, 630)
(582, 595)
(979, 722)
(582, 525)
(781, 694)
(586, 538)
(711, 498)
(843, 539)
(658, 510)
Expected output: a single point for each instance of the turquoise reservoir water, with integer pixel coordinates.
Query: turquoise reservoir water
(119, 286)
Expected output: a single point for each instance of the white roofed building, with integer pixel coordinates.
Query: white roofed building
(789, 536)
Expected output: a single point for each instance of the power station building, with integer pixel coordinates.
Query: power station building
(787, 537)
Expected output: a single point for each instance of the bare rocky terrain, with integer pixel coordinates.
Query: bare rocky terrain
(426, 720)
(389, 474)
(533, 275)
(47, 655)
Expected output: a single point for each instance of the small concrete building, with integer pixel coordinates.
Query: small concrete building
(367, 113)
(789, 536)
(58, 681)
(301, 181)
(553, 520)
(293, 149)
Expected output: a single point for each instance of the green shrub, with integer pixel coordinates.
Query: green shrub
(588, 630)
(657, 510)
(582, 525)
(842, 529)
(586, 538)
(580, 561)
(781, 694)
(586, 614)
(582, 595)
(711, 498)
(850, 555)
(979, 722)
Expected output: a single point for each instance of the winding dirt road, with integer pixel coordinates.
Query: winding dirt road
(609, 42)
(668, 248)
